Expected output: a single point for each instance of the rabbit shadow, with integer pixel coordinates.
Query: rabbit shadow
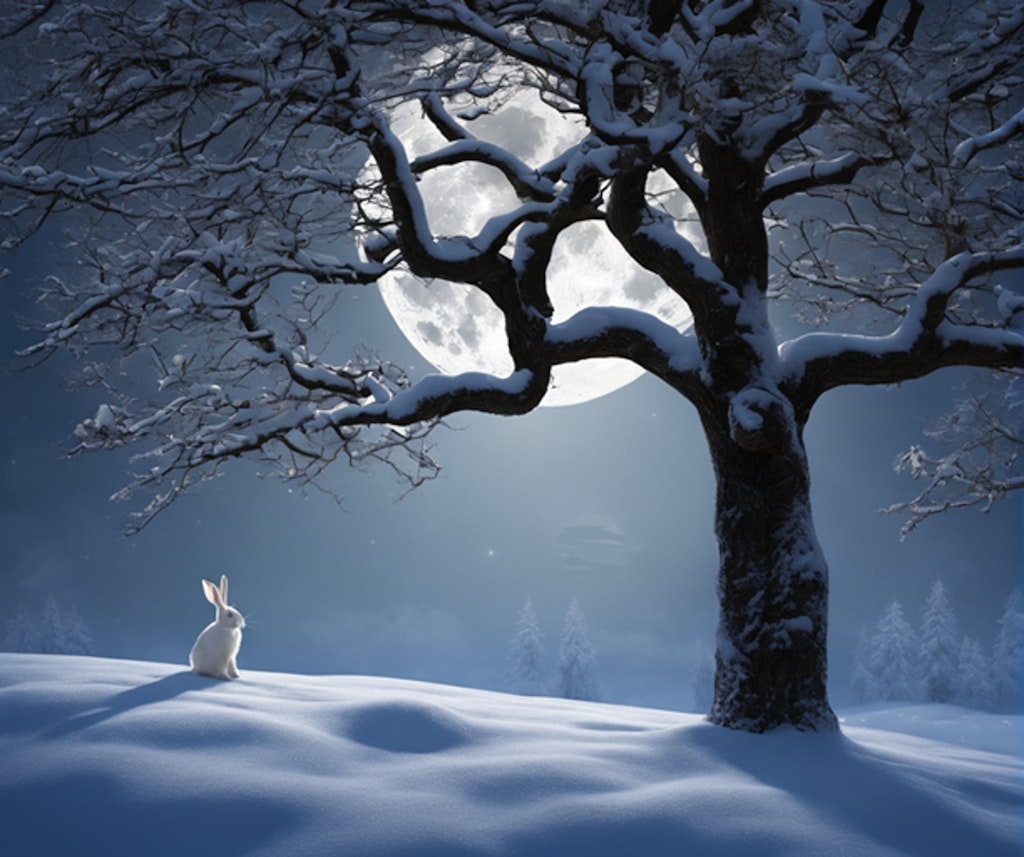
(160, 690)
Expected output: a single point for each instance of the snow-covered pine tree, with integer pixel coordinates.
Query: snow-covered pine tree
(22, 632)
(526, 673)
(702, 677)
(893, 657)
(939, 650)
(52, 640)
(862, 682)
(974, 677)
(1007, 655)
(77, 636)
(577, 670)
(58, 632)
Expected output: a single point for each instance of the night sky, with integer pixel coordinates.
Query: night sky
(610, 501)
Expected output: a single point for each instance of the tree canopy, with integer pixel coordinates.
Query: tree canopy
(211, 154)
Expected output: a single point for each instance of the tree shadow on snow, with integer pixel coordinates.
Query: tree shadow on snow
(889, 798)
(160, 690)
(783, 791)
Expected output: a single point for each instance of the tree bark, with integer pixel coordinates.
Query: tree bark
(771, 660)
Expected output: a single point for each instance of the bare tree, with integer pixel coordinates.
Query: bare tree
(208, 158)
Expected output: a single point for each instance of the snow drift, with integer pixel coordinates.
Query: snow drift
(122, 757)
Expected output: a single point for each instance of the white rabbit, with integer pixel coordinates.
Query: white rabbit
(217, 645)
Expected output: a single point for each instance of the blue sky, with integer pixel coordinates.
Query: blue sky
(610, 501)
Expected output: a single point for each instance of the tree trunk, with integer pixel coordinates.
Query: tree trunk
(771, 661)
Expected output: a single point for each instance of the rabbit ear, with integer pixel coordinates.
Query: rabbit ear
(224, 588)
(212, 594)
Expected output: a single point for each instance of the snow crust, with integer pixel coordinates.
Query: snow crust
(123, 757)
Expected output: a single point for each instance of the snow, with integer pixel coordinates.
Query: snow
(593, 322)
(124, 757)
(806, 171)
(406, 404)
(1009, 302)
(796, 354)
(971, 146)
(837, 93)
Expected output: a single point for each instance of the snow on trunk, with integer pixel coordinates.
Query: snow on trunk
(771, 661)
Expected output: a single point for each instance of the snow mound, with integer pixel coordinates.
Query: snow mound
(122, 757)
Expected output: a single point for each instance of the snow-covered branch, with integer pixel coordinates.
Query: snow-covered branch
(807, 175)
(618, 332)
(970, 147)
(526, 182)
(654, 242)
(220, 167)
(591, 333)
(458, 258)
(929, 337)
(980, 456)
(190, 437)
(537, 49)
(438, 396)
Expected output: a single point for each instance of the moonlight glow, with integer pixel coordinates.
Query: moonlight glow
(455, 326)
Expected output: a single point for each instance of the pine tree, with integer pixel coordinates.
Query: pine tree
(939, 651)
(22, 632)
(577, 676)
(58, 632)
(526, 673)
(862, 682)
(702, 675)
(893, 661)
(974, 681)
(1008, 653)
(52, 637)
(77, 637)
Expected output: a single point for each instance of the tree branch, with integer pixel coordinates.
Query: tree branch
(526, 183)
(655, 245)
(633, 335)
(979, 461)
(678, 167)
(801, 177)
(926, 339)
(971, 146)
(457, 259)
(536, 51)
(437, 396)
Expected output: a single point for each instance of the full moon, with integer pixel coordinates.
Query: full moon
(456, 327)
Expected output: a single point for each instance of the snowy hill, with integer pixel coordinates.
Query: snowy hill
(105, 757)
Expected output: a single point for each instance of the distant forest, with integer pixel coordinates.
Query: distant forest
(55, 631)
